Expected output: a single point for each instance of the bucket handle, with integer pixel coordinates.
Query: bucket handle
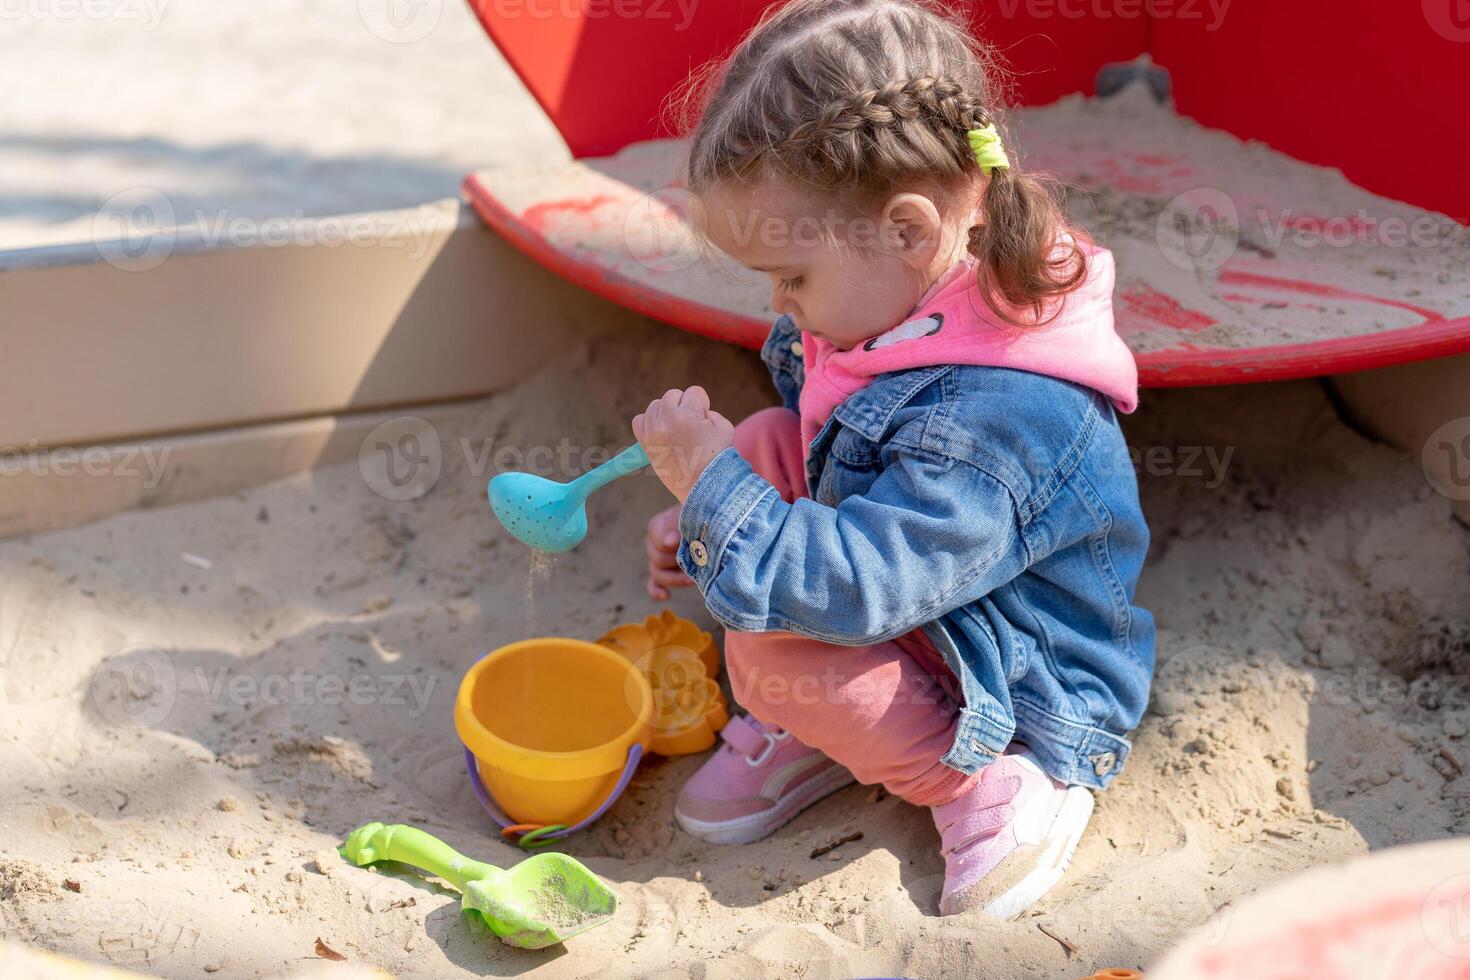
(535, 838)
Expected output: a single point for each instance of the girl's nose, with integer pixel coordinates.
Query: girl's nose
(781, 302)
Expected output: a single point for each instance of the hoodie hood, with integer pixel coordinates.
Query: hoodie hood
(952, 325)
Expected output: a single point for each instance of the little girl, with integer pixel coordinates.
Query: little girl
(926, 559)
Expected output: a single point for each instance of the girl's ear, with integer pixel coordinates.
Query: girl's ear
(910, 227)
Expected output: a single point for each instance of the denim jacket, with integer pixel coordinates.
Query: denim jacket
(996, 509)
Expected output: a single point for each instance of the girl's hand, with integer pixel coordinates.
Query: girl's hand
(682, 435)
(662, 545)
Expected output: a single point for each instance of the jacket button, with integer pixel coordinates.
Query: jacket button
(699, 553)
(1103, 764)
(796, 348)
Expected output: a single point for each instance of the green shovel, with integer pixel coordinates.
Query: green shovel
(542, 901)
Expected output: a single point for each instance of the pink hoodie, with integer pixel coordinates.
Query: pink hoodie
(952, 325)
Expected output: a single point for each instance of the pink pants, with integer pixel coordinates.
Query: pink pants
(887, 711)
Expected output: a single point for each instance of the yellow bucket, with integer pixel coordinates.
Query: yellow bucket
(552, 724)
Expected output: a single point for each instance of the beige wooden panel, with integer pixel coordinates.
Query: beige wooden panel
(46, 490)
(1424, 408)
(419, 306)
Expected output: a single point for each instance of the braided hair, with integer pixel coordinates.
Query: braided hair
(861, 99)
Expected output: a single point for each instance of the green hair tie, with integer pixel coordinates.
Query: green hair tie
(989, 152)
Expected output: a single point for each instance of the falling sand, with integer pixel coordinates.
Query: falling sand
(538, 572)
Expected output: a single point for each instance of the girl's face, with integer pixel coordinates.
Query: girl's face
(842, 278)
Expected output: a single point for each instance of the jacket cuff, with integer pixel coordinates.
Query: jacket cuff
(720, 501)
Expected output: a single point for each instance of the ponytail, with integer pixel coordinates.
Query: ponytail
(1027, 256)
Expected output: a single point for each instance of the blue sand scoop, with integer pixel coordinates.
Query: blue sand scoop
(552, 516)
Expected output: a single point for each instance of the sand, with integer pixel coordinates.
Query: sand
(186, 745)
(1229, 228)
(241, 112)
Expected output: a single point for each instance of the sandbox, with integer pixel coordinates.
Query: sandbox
(1306, 582)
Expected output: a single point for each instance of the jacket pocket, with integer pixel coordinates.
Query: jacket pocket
(852, 464)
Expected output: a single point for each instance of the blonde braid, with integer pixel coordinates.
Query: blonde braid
(856, 99)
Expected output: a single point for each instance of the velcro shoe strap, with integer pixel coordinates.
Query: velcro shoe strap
(747, 739)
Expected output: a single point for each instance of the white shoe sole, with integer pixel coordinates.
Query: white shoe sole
(1066, 830)
(753, 827)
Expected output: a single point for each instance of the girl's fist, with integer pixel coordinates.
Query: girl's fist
(682, 435)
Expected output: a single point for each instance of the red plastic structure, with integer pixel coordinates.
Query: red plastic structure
(1338, 295)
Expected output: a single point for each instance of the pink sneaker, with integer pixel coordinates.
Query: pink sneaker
(1007, 841)
(755, 782)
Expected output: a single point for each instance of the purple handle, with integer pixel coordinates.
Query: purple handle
(635, 755)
